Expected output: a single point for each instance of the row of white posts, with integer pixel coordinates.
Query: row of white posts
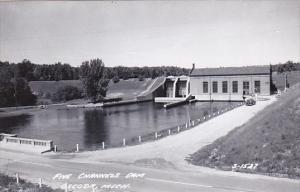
(190, 123)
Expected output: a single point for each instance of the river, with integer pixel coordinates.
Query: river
(90, 127)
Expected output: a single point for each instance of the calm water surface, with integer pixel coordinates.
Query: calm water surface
(89, 127)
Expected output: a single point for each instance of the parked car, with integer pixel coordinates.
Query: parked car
(43, 106)
(250, 101)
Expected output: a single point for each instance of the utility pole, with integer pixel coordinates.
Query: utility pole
(15, 85)
(286, 82)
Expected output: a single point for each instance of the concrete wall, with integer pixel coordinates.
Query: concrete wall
(196, 86)
(169, 88)
(181, 87)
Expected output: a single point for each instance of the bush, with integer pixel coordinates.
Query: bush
(141, 78)
(8, 183)
(116, 79)
(67, 93)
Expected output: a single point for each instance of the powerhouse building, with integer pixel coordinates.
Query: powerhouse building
(229, 83)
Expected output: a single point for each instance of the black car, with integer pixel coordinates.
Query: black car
(250, 101)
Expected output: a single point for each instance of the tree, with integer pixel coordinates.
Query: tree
(92, 75)
(23, 93)
(25, 70)
(6, 86)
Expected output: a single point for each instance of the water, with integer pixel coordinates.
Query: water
(90, 127)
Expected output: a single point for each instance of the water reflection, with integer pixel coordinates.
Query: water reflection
(95, 128)
(13, 123)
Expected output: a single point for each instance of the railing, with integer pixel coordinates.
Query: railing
(24, 141)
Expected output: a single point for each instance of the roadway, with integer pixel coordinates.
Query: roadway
(33, 167)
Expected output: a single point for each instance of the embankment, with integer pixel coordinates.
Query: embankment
(271, 140)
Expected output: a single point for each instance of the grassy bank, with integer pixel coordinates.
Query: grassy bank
(126, 89)
(269, 143)
(9, 184)
(293, 77)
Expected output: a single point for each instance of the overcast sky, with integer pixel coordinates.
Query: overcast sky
(143, 33)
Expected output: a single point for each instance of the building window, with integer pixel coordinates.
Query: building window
(245, 87)
(215, 86)
(235, 87)
(256, 86)
(205, 87)
(224, 87)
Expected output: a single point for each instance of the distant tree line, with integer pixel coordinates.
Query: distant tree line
(59, 71)
(287, 66)
(121, 72)
(45, 72)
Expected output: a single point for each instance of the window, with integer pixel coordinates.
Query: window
(215, 86)
(205, 87)
(245, 87)
(224, 87)
(235, 87)
(256, 86)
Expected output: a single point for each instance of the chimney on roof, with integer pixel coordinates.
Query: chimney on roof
(193, 67)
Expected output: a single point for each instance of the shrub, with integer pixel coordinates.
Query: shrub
(67, 93)
(141, 78)
(116, 79)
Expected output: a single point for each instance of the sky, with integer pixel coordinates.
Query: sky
(209, 33)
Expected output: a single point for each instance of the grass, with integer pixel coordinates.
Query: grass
(51, 87)
(293, 78)
(9, 184)
(271, 139)
(128, 89)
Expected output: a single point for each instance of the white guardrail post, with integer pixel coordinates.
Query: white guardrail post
(103, 145)
(17, 178)
(77, 147)
(40, 182)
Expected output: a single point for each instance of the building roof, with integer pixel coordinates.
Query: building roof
(229, 71)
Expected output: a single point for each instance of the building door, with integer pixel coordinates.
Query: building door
(245, 87)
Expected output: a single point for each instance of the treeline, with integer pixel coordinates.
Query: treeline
(287, 66)
(46, 72)
(58, 71)
(125, 73)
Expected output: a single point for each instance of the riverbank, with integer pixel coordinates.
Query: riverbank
(20, 110)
